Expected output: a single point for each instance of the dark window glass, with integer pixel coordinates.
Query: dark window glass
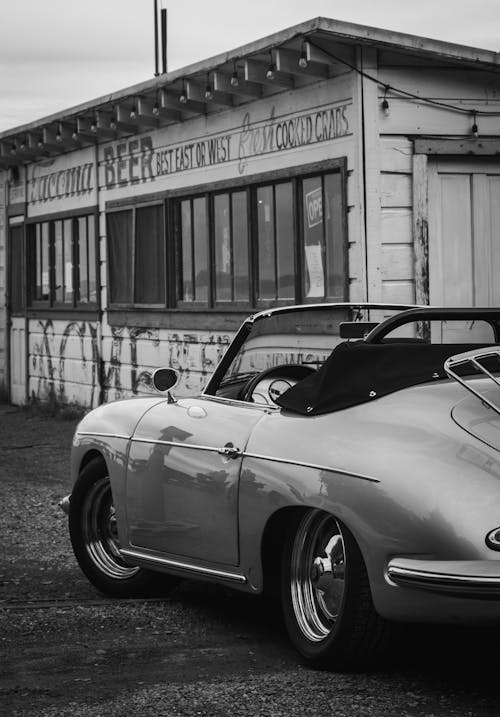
(68, 261)
(91, 248)
(223, 249)
(285, 263)
(149, 277)
(59, 261)
(334, 237)
(16, 268)
(240, 247)
(44, 262)
(200, 246)
(83, 261)
(266, 246)
(120, 256)
(187, 252)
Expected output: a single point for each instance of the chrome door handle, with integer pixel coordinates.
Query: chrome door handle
(230, 451)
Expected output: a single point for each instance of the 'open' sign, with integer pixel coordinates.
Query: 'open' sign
(314, 207)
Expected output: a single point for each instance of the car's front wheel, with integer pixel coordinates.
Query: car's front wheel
(326, 596)
(94, 536)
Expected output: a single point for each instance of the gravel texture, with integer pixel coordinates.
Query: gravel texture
(203, 650)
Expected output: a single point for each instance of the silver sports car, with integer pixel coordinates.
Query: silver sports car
(347, 466)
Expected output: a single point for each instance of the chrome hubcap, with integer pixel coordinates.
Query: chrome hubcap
(100, 532)
(317, 572)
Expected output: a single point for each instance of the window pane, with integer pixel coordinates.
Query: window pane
(149, 256)
(119, 226)
(223, 272)
(44, 262)
(285, 241)
(68, 260)
(200, 234)
(16, 268)
(92, 262)
(187, 293)
(83, 285)
(334, 235)
(314, 272)
(240, 247)
(265, 229)
(59, 261)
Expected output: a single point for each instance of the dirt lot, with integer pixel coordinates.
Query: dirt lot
(66, 650)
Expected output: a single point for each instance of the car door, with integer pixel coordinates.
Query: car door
(182, 478)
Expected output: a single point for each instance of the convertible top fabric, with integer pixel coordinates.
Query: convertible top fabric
(357, 372)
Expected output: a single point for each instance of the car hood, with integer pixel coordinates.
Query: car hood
(118, 418)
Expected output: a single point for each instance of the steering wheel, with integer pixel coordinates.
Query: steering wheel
(275, 381)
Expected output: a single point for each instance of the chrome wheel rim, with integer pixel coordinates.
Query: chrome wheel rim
(100, 532)
(317, 575)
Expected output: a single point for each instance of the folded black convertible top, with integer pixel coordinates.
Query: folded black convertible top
(358, 372)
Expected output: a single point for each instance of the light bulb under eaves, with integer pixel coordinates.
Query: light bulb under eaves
(303, 62)
(234, 79)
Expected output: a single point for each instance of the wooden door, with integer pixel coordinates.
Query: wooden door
(464, 235)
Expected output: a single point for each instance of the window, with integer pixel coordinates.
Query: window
(136, 255)
(278, 239)
(293, 249)
(323, 238)
(275, 242)
(17, 283)
(63, 266)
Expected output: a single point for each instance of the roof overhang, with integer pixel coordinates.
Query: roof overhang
(295, 57)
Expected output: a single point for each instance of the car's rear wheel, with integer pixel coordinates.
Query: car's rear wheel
(326, 596)
(94, 536)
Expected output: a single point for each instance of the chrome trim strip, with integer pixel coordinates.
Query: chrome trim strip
(200, 570)
(409, 574)
(259, 456)
(175, 444)
(316, 466)
(102, 435)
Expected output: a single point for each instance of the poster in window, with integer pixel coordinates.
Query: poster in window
(315, 273)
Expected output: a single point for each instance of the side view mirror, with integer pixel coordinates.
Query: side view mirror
(165, 378)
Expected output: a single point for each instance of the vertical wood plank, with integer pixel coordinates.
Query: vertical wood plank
(481, 238)
(371, 111)
(421, 228)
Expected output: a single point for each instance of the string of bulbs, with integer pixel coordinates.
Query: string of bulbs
(390, 88)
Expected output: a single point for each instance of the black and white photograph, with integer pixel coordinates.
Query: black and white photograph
(249, 358)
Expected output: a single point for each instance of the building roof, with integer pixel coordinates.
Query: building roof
(300, 55)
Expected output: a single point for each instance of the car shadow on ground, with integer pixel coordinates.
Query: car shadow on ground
(462, 657)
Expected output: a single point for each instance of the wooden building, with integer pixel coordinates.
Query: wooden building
(329, 161)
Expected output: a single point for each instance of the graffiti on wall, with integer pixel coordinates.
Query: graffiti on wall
(117, 371)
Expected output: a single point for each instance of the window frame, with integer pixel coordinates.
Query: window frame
(51, 305)
(218, 315)
(134, 206)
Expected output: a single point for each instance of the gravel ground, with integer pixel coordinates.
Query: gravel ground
(203, 650)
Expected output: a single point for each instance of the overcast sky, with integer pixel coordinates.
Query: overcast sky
(58, 53)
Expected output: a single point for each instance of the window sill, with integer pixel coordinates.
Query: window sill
(201, 319)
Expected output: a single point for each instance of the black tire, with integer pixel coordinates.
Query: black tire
(326, 597)
(94, 537)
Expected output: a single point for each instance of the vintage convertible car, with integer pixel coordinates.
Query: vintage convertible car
(350, 467)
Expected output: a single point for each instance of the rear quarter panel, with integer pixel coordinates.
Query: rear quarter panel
(435, 489)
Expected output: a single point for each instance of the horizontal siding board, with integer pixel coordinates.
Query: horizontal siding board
(415, 117)
(395, 190)
(396, 225)
(397, 262)
(395, 154)
(395, 292)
